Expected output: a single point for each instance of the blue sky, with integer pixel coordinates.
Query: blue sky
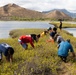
(43, 5)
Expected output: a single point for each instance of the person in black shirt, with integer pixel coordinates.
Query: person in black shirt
(60, 26)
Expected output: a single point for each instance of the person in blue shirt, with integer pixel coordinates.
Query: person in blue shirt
(52, 35)
(63, 49)
(7, 50)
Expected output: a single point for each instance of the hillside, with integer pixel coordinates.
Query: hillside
(17, 11)
(57, 15)
(71, 14)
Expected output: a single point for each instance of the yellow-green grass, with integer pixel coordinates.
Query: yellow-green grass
(41, 60)
(18, 32)
(64, 24)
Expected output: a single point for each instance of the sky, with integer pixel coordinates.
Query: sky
(43, 5)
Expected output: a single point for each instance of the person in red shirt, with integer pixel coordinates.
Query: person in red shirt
(24, 39)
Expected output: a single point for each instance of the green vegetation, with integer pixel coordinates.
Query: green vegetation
(29, 19)
(64, 25)
(41, 60)
(34, 19)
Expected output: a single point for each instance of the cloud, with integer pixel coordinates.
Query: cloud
(43, 5)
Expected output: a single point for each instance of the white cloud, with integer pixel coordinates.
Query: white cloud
(43, 5)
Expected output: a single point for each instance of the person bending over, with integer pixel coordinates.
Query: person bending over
(58, 38)
(52, 35)
(24, 39)
(7, 50)
(64, 48)
(43, 33)
(35, 37)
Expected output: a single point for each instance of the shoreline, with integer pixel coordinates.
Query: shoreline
(53, 23)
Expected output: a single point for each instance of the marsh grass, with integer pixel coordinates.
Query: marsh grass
(64, 24)
(41, 60)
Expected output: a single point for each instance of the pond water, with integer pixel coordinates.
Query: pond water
(7, 26)
(71, 30)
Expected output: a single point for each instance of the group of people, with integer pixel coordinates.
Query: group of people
(63, 46)
(8, 51)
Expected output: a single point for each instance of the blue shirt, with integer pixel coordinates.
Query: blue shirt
(64, 48)
(3, 48)
(52, 34)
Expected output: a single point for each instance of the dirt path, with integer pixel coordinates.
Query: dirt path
(65, 68)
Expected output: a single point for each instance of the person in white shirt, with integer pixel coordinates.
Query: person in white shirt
(58, 38)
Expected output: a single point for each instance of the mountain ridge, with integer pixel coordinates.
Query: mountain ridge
(13, 10)
(73, 15)
(57, 15)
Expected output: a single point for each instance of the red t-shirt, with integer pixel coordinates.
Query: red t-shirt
(27, 39)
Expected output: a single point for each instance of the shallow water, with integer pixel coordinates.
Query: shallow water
(71, 30)
(7, 26)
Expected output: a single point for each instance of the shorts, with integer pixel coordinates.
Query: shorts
(24, 45)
